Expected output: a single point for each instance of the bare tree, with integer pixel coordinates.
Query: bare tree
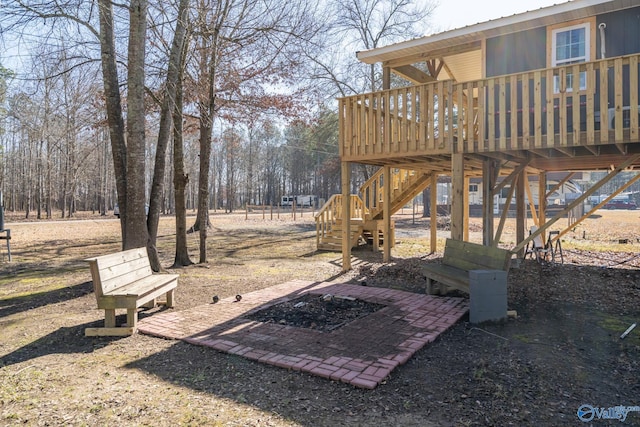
(129, 159)
(180, 180)
(360, 25)
(242, 46)
(168, 110)
(357, 25)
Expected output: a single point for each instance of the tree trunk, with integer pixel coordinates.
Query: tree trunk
(202, 220)
(180, 181)
(136, 234)
(39, 180)
(49, 183)
(207, 111)
(114, 108)
(426, 202)
(164, 133)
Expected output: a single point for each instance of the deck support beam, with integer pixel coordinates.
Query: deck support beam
(521, 212)
(346, 216)
(489, 177)
(386, 78)
(542, 202)
(457, 196)
(544, 226)
(598, 206)
(386, 214)
(434, 211)
(532, 206)
(466, 209)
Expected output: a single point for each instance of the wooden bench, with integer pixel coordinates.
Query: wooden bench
(460, 258)
(124, 280)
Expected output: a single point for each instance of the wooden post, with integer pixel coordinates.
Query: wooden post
(386, 214)
(466, 210)
(386, 78)
(542, 201)
(109, 318)
(434, 212)
(346, 216)
(488, 174)
(521, 212)
(457, 196)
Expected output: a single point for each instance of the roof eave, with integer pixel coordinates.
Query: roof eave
(480, 30)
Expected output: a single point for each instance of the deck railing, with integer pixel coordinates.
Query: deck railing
(582, 104)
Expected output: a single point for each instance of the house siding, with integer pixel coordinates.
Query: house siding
(622, 34)
(527, 50)
(517, 52)
(622, 37)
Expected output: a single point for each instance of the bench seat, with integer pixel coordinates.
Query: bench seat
(140, 292)
(451, 276)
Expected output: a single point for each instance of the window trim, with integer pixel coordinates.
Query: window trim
(590, 45)
(565, 26)
(587, 47)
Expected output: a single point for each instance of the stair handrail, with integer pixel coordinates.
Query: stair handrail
(371, 191)
(331, 212)
(400, 179)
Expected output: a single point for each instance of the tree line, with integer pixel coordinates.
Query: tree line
(161, 107)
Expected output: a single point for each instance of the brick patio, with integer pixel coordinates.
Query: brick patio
(362, 352)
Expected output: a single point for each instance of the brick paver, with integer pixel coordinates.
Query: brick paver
(362, 352)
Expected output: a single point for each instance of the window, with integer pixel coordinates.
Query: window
(504, 193)
(570, 45)
(473, 188)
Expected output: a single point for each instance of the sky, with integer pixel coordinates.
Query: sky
(452, 14)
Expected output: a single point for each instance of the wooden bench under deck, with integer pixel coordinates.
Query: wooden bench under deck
(124, 280)
(460, 258)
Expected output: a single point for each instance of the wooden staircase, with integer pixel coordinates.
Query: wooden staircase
(329, 223)
(367, 212)
(406, 184)
(333, 240)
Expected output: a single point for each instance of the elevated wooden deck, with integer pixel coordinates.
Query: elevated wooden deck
(545, 118)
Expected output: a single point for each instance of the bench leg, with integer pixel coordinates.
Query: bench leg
(150, 304)
(109, 318)
(435, 288)
(132, 318)
(376, 240)
(110, 329)
(429, 286)
(170, 300)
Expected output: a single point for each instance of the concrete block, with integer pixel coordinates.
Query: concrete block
(487, 295)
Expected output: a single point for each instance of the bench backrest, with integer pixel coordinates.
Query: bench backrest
(112, 271)
(471, 256)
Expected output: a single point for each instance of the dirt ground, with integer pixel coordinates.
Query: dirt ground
(563, 350)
